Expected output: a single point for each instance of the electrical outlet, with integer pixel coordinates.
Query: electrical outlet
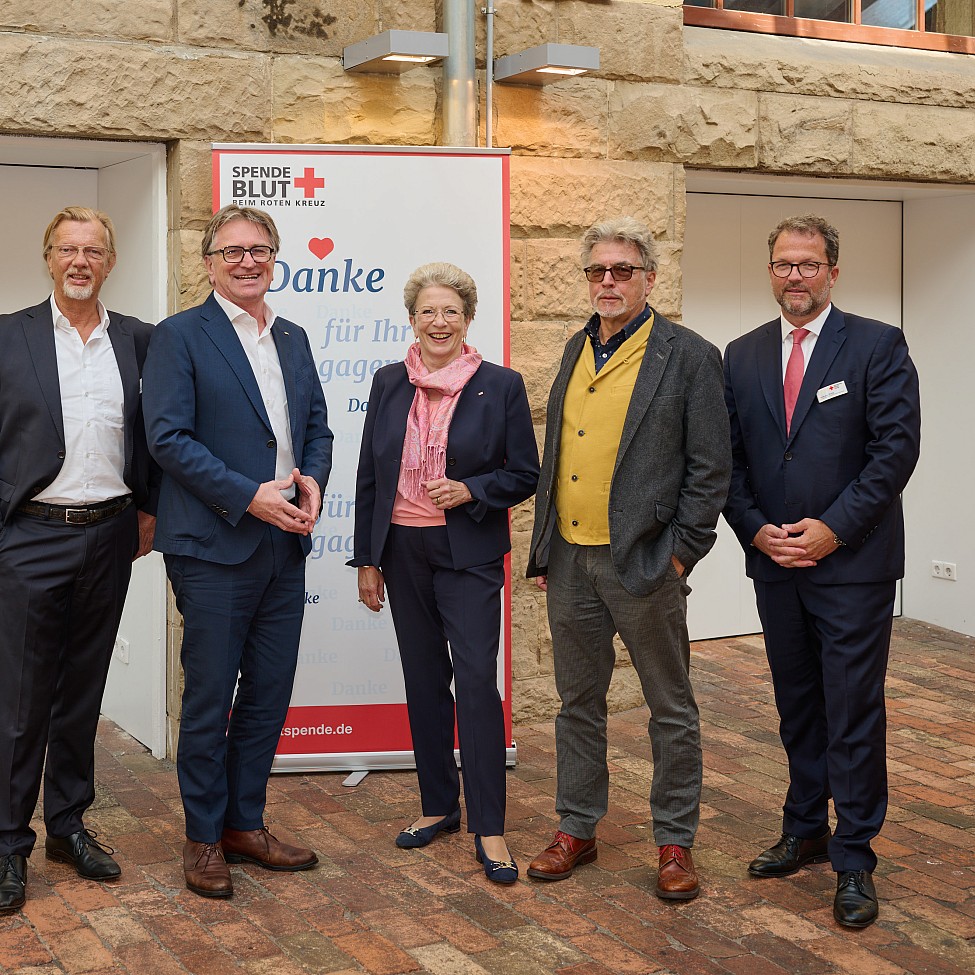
(944, 570)
(121, 652)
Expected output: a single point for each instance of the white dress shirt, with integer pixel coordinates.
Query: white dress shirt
(807, 344)
(262, 354)
(93, 410)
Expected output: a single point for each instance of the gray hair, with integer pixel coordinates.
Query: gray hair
(233, 212)
(625, 230)
(809, 225)
(443, 275)
(80, 215)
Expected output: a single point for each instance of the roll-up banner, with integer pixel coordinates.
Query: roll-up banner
(355, 221)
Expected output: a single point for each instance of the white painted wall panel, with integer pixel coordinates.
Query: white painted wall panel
(939, 265)
(727, 293)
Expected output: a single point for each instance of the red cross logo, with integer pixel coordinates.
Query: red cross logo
(310, 182)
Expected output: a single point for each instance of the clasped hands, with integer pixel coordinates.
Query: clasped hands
(300, 518)
(445, 493)
(798, 546)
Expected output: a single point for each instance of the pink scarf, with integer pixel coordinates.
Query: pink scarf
(425, 446)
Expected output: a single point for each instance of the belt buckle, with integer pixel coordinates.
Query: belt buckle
(77, 516)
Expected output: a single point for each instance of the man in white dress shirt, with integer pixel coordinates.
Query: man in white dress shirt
(236, 418)
(77, 501)
(825, 432)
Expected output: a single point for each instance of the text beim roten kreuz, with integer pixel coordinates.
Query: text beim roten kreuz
(266, 186)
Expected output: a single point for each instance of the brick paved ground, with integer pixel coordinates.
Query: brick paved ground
(373, 908)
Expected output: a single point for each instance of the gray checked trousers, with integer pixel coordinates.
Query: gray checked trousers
(587, 606)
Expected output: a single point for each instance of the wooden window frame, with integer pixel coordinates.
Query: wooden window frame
(829, 30)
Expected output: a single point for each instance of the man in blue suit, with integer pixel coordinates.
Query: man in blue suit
(825, 432)
(236, 418)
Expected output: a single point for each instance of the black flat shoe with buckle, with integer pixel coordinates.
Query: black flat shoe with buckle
(497, 871)
(414, 837)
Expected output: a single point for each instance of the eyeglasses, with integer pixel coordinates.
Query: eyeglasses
(619, 272)
(234, 255)
(807, 269)
(450, 315)
(68, 252)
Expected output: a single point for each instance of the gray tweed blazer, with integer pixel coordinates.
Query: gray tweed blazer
(673, 466)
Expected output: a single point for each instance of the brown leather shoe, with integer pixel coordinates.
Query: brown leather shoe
(561, 857)
(205, 869)
(260, 847)
(676, 876)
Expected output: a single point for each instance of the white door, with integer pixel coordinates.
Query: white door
(939, 257)
(128, 181)
(726, 293)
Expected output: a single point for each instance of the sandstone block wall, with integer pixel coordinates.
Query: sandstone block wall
(191, 72)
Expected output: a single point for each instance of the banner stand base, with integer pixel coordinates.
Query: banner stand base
(365, 762)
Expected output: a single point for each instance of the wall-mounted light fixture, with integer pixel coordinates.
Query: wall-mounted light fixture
(395, 51)
(546, 63)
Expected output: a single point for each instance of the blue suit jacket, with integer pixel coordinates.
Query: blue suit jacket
(209, 431)
(491, 448)
(846, 459)
(31, 420)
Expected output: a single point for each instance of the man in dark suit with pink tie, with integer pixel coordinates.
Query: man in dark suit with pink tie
(825, 430)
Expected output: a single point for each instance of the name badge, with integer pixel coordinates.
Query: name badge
(831, 391)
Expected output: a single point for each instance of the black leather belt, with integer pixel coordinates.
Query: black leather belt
(82, 514)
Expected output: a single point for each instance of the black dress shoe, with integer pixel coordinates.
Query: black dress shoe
(789, 854)
(13, 882)
(92, 860)
(855, 904)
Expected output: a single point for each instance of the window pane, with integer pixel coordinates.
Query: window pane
(950, 17)
(698, 3)
(841, 10)
(901, 14)
(757, 6)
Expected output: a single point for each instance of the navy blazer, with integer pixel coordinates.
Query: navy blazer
(32, 447)
(846, 459)
(490, 447)
(210, 433)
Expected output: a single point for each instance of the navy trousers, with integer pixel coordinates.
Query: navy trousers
(827, 649)
(62, 590)
(432, 605)
(237, 620)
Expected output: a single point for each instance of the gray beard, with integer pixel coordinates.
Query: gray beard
(79, 292)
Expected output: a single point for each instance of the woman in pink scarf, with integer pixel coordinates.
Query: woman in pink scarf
(448, 447)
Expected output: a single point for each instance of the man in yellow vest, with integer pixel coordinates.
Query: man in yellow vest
(635, 473)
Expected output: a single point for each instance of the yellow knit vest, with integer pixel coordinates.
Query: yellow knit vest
(592, 423)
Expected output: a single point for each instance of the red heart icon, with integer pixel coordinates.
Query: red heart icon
(321, 247)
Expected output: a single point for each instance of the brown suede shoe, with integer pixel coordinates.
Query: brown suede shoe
(205, 869)
(260, 847)
(676, 876)
(561, 857)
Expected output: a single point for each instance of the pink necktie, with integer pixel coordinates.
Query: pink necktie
(793, 375)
